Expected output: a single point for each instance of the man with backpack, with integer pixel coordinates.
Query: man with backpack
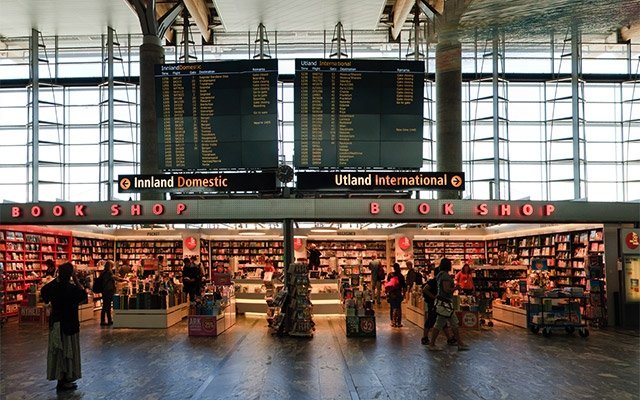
(429, 293)
(377, 277)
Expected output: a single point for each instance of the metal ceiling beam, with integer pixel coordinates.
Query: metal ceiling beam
(401, 10)
(155, 19)
(629, 33)
(200, 13)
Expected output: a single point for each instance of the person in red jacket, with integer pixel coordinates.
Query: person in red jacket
(464, 280)
(395, 288)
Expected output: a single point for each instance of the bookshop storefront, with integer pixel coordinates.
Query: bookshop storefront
(506, 234)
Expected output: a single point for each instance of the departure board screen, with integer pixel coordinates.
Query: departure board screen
(358, 113)
(217, 115)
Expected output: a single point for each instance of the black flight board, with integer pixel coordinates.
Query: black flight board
(358, 113)
(217, 115)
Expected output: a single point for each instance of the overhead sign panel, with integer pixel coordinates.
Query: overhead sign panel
(358, 113)
(380, 180)
(217, 115)
(223, 182)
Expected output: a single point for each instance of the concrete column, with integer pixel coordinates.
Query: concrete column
(151, 53)
(449, 106)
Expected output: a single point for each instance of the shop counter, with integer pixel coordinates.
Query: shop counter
(85, 311)
(413, 313)
(325, 297)
(509, 314)
(162, 318)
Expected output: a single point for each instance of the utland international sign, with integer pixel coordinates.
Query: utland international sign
(380, 180)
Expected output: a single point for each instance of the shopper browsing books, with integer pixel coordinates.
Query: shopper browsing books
(395, 288)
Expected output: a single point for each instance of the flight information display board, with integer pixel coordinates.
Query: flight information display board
(217, 115)
(358, 113)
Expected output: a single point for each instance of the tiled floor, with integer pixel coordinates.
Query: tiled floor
(247, 362)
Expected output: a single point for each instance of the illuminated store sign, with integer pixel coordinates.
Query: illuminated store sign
(380, 180)
(223, 182)
(482, 209)
(347, 210)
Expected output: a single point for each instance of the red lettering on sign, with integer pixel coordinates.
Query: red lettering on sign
(424, 208)
(483, 209)
(447, 209)
(115, 210)
(158, 209)
(180, 208)
(58, 211)
(16, 212)
(80, 210)
(527, 210)
(136, 209)
(549, 209)
(36, 211)
(398, 208)
(505, 209)
(374, 208)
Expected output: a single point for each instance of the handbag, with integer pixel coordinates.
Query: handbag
(444, 308)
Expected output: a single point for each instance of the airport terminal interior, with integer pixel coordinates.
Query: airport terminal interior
(275, 182)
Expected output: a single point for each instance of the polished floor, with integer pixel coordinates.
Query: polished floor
(247, 362)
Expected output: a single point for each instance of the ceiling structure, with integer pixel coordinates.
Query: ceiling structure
(618, 19)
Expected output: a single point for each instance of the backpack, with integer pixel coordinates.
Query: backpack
(381, 273)
(97, 285)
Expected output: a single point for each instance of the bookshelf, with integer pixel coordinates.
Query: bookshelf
(132, 252)
(23, 251)
(458, 251)
(87, 252)
(350, 257)
(242, 253)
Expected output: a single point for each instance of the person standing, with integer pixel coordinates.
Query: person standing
(191, 278)
(395, 288)
(444, 306)
(377, 276)
(108, 291)
(411, 275)
(464, 280)
(314, 257)
(63, 355)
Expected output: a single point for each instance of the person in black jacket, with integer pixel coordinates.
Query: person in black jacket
(63, 357)
(191, 279)
(108, 291)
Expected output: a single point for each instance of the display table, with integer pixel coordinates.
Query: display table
(33, 314)
(163, 318)
(85, 311)
(413, 314)
(509, 314)
(213, 325)
(361, 325)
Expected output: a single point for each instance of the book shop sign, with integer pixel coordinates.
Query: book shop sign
(480, 209)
